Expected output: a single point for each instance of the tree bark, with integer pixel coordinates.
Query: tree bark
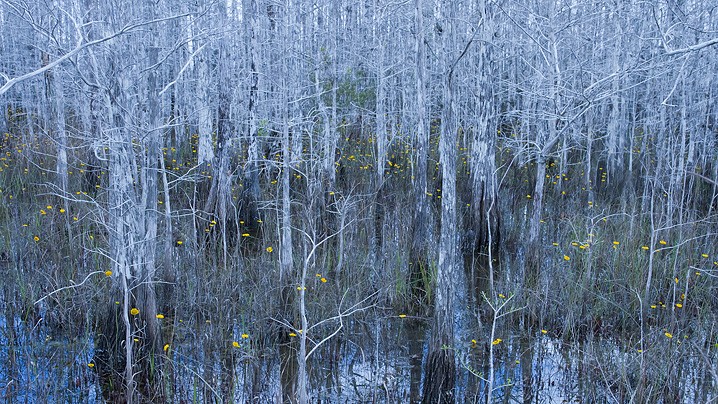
(418, 258)
(441, 365)
(483, 149)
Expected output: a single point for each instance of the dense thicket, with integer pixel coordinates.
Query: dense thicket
(230, 151)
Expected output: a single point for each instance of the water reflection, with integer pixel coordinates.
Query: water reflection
(372, 361)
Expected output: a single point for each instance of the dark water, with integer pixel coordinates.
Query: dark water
(377, 361)
(41, 366)
(46, 353)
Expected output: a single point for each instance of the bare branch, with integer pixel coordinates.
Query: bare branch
(179, 74)
(704, 178)
(78, 48)
(692, 48)
(69, 287)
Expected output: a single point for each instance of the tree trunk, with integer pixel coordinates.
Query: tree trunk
(250, 193)
(441, 366)
(132, 326)
(482, 156)
(205, 148)
(418, 259)
(380, 109)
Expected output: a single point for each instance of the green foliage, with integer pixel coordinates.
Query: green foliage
(357, 87)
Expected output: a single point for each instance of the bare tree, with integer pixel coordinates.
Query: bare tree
(418, 256)
(441, 364)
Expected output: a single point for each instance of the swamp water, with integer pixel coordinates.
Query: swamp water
(372, 361)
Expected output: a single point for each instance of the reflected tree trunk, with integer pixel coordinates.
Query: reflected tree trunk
(415, 335)
(527, 379)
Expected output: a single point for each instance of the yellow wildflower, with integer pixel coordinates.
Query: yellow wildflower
(160, 316)
(245, 336)
(668, 334)
(496, 341)
(566, 258)
(134, 311)
(235, 344)
(108, 273)
(269, 249)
